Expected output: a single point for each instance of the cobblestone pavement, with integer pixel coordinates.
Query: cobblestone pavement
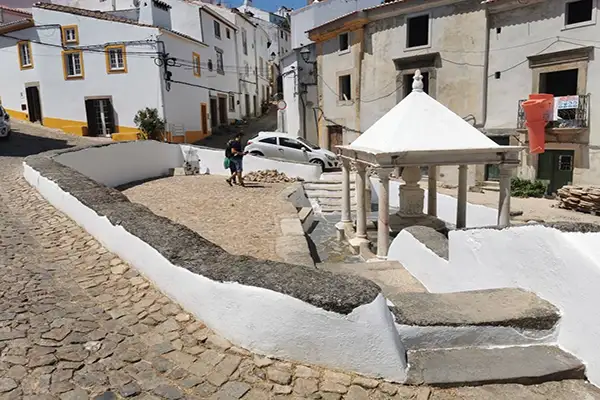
(78, 323)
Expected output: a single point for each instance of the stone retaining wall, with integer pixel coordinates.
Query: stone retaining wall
(276, 309)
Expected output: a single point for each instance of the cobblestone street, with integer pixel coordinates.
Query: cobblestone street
(78, 323)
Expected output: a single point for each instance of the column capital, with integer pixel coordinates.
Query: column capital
(383, 173)
(345, 162)
(360, 167)
(463, 166)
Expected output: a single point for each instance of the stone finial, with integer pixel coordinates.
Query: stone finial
(417, 85)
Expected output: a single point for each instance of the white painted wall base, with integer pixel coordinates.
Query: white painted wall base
(562, 268)
(270, 323)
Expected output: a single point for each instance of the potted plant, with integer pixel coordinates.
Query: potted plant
(151, 126)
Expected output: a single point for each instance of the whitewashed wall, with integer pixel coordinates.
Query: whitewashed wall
(562, 268)
(477, 215)
(211, 161)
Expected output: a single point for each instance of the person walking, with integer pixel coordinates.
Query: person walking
(229, 164)
(237, 155)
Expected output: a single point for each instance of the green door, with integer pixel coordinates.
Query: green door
(492, 171)
(555, 168)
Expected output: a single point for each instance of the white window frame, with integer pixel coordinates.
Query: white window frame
(429, 28)
(116, 51)
(220, 60)
(67, 59)
(579, 24)
(25, 56)
(217, 28)
(245, 41)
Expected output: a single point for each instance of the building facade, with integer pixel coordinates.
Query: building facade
(481, 60)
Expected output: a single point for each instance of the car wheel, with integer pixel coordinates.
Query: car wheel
(256, 153)
(4, 133)
(319, 162)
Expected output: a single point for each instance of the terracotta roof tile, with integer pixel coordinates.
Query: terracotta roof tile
(15, 10)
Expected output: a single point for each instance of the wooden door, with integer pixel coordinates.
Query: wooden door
(214, 113)
(204, 118)
(335, 136)
(34, 107)
(223, 118)
(555, 167)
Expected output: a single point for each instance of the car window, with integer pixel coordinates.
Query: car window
(291, 143)
(269, 140)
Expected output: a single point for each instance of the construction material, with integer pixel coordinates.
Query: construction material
(584, 199)
(269, 176)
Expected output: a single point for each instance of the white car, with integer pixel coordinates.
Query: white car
(281, 145)
(5, 127)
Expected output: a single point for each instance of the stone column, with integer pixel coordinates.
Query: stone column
(504, 200)
(411, 195)
(383, 224)
(346, 210)
(432, 191)
(361, 212)
(461, 206)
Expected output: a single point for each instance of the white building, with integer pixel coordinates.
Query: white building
(89, 72)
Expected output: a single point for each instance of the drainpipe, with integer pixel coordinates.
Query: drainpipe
(486, 67)
(359, 59)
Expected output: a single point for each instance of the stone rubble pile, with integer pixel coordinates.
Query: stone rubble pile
(269, 176)
(580, 198)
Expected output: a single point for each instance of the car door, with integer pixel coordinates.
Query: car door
(291, 149)
(269, 147)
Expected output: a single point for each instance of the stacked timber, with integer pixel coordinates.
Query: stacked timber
(584, 199)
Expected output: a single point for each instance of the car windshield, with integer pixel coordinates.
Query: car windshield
(309, 144)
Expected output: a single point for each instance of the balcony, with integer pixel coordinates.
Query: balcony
(570, 113)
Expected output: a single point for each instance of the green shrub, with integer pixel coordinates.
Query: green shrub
(526, 188)
(150, 124)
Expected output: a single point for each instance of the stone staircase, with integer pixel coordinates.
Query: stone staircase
(491, 186)
(326, 193)
(470, 338)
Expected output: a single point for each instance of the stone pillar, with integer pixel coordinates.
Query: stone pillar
(411, 194)
(504, 200)
(361, 212)
(346, 210)
(383, 224)
(461, 206)
(432, 191)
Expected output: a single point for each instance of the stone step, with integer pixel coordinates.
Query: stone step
(326, 186)
(491, 186)
(334, 201)
(506, 307)
(330, 209)
(391, 276)
(326, 193)
(475, 366)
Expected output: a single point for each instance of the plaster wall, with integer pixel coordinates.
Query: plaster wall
(289, 69)
(266, 322)
(559, 267)
(99, 5)
(56, 92)
(477, 215)
(211, 161)
(315, 14)
(129, 162)
(185, 18)
(529, 31)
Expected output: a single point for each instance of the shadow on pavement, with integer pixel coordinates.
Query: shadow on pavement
(21, 144)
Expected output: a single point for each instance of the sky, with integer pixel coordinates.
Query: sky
(271, 5)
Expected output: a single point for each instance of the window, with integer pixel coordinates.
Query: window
(210, 65)
(196, 64)
(228, 33)
(269, 140)
(246, 69)
(291, 143)
(417, 31)
(231, 103)
(70, 34)
(281, 34)
(245, 41)
(73, 64)
(579, 11)
(345, 88)
(116, 60)
(220, 68)
(344, 42)
(25, 59)
(261, 70)
(217, 29)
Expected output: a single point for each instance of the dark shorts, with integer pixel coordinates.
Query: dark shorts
(236, 165)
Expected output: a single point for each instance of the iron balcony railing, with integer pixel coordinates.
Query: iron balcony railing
(569, 112)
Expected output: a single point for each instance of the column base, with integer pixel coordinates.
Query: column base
(341, 228)
(399, 222)
(357, 243)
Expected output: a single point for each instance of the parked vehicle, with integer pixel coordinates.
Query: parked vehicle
(5, 127)
(287, 147)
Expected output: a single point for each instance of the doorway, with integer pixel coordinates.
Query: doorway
(223, 118)
(255, 106)
(204, 119)
(247, 99)
(492, 171)
(555, 168)
(214, 113)
(335, 136)
(34, 108)
(100, 117)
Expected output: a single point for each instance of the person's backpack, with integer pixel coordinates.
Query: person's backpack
(228, 150)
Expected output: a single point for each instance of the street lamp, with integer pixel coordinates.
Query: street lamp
(305, 54)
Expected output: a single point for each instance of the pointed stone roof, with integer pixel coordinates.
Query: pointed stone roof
(420, 123)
